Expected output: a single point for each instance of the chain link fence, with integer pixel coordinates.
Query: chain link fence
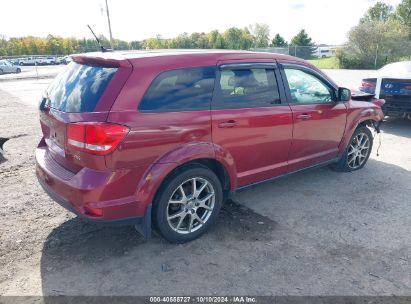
(304, 52)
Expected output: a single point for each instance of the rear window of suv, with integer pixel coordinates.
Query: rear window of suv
(79, 87)
(187, 89)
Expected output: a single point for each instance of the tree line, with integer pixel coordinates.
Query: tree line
(383, 35)
(254, 36)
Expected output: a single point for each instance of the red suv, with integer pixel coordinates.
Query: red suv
(167, 136)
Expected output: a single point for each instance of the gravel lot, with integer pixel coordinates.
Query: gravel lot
(316, 233)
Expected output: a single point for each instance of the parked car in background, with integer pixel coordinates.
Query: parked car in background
(49, 60)
(67, 60)
(28, 61)
(7, 67)
(14, 61)
(392, 83)
(169, 135)
(40, 60)
(59, 60)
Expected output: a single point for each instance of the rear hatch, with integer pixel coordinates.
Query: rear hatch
(397, 93)
(78, 101)
(395, 87)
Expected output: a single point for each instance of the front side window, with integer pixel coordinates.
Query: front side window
(180, 90)
(247, 88)
(306, 88)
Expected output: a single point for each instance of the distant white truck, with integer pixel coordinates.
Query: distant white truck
(28, 61)
(324, 52)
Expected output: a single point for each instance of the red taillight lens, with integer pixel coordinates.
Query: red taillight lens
(93, 211)
(366, 84)
(95, 138)
(408, 87)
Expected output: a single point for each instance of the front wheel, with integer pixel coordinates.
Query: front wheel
(357, 152)
(188, 204)
(18, 70)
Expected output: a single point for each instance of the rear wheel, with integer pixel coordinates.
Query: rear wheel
(18, 70)
(357, 152)
(188, 204)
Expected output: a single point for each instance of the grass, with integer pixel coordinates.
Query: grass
(325, 63)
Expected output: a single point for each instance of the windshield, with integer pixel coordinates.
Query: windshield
(79, 87)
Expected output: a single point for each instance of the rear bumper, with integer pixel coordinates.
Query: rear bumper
(111, 193)
(396, 104)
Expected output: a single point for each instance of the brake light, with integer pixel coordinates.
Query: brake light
(95, 138)
(408, 87)
(366, 84)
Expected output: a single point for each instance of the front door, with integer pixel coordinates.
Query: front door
(249, 122)
(319, 119)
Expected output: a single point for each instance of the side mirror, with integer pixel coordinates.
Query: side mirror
(344, 94)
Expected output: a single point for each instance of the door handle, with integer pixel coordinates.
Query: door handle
(304, 116)
(228, 124)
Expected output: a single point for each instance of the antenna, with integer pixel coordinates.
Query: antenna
(103, 49)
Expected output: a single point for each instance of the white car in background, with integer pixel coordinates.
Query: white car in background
(392, 83)
(7, 67)
(49, 60)
(67, 60)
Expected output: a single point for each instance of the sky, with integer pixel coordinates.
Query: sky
(326, 21)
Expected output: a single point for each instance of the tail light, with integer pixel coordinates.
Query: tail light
(408, 87)
(95, 138)
(367, 84)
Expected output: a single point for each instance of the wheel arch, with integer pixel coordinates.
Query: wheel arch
(202, 154)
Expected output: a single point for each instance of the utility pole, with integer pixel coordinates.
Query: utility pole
(109, 24)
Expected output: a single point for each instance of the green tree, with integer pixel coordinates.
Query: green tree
(302, 45)
(385, 42)
(379, 12)
(232, 38)
(136, 45)
(403, 14)
(261, 33)
(215, 40)
(278, 41)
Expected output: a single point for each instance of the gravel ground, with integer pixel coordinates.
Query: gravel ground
(315, 233)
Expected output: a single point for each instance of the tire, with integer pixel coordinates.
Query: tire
(191, 214)
(1, 72)
(18, 70)
(357, 152)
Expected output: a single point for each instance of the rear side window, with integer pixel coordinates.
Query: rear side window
(180, 90)
(79, 87)
(247, 88)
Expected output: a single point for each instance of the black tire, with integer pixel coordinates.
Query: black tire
(1, 72)
(170, 187)
(345, 164)
(18, 70)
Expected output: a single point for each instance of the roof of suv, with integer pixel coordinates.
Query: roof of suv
(181, 54)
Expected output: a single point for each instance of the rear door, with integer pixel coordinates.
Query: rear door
(81, 93)
(319, 120)
(249, 121)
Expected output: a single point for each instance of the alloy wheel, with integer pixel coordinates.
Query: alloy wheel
(358, 151)
(191, 205)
